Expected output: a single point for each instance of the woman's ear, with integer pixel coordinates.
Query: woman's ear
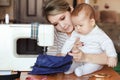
(71, 8)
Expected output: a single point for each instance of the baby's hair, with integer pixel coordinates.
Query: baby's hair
(89, 11)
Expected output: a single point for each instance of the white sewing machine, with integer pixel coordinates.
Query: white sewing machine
(9, 34)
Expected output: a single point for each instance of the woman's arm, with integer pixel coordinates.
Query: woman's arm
(91, 58)
(101, 58)
(96, 58)
(80, 56)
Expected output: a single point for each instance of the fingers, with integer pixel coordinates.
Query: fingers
(71, 54)
(77, 41)
(76, 57)
(112, 62)
(112, 65)
(75, 50)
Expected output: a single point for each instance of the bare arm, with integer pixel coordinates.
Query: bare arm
(96, 58)
(92, 58)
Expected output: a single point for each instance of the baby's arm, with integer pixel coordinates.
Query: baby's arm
(76, 46)
(110, 51)
(69, 44)
(112, 61)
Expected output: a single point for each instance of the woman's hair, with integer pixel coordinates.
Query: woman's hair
(54, 7)
(89, 11)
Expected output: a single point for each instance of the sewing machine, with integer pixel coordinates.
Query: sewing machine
(10, 33)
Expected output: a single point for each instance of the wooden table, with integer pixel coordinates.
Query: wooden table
(61, 76)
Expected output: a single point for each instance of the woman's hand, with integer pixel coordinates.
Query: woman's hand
(78, 56)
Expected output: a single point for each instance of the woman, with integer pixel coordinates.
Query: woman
(58, 13)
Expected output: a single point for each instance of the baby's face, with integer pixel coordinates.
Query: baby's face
(82, 24)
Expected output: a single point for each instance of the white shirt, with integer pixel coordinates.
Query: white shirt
(95, 42)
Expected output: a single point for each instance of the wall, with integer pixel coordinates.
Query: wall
(113, 4)
(7, 9)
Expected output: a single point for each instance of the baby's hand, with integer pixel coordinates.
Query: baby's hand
(75, 50)
(112, 61)
(76, 46)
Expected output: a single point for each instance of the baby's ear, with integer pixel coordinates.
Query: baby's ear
(92, 21)
(71, 8)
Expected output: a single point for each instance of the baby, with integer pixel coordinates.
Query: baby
(92, 38)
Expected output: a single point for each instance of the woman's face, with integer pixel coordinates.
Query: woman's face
(62, 22)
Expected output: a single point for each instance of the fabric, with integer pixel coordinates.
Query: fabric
(48, 64)
(34, 30)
